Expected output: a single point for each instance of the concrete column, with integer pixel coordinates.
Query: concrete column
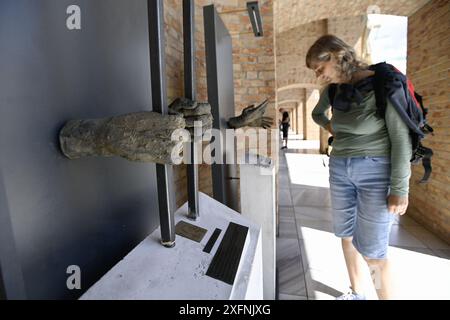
(305, 115)
(295, 119)
(299, 118)
(258, 204)
(312, 97)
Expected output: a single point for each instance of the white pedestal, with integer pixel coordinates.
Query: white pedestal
(151, 271)
(258, 203)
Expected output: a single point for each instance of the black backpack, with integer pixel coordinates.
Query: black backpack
(389, 82)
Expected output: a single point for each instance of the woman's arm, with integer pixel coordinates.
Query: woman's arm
(401, 152)
(319, 113)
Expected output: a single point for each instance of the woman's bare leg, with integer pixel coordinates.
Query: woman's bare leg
(355, 265)
(380, 272)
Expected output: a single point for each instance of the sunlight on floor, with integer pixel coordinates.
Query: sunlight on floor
(295, 142)
(420, 261)
(416, 275)
(314, 164)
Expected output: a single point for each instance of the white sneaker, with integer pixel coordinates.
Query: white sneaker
(351, 296)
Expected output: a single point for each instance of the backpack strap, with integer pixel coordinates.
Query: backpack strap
(332, 88)
(426, 127)
(381, 72)
(393, 85)
(424, 154)
(330, 143)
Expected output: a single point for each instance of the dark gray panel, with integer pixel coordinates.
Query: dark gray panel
(219, 68)
(88, 212)
(219, 60)
(225, 262)
(11, 276)
(2, 287)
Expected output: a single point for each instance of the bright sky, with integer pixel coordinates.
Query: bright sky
(388, 41)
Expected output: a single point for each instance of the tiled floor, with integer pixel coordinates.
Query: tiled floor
(310, 262)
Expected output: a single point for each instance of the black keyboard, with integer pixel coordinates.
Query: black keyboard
(225, 262)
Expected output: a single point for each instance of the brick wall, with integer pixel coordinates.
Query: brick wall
(428, 68)
(350, 29)
(173, 31)
(299, 12)
(253, 64)
(293, 77)
(298, 23)
(291, 49)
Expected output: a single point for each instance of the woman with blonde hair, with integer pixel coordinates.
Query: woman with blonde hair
(369, 164)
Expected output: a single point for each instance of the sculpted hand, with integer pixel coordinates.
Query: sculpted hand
(253, 117)
(192, 111)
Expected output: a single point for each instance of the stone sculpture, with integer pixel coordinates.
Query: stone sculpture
(252, 117)
(147, 136)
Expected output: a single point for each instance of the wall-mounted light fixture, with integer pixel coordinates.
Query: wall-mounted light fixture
(255, 18)
(254, 15)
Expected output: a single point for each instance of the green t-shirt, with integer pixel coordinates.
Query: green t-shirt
(360, 132)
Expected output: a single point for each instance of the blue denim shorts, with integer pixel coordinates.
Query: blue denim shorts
(359, 189)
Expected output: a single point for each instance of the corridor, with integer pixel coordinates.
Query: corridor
(310, 262)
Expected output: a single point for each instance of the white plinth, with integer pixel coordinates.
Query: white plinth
(151, 271)
(258, 204)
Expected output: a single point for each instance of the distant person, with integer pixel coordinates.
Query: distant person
(285, 124)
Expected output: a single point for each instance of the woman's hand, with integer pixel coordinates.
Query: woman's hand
(398, 204)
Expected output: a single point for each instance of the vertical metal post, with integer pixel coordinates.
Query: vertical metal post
(159, 101)
(190, 93)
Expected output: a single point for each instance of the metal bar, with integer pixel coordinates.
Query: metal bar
(209, 20)
(190, 93)
(189, 48)
(159, 101)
